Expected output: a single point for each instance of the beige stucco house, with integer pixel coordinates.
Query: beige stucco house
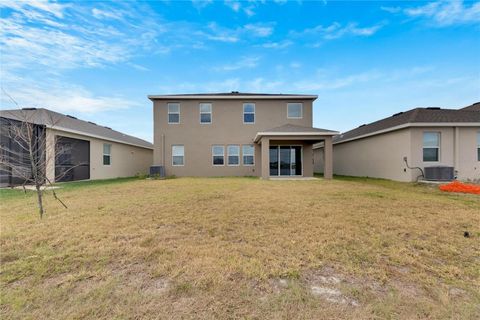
(77, 149)
(404, 146)
(237, 134)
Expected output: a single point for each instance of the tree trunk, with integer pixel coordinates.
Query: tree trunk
(40, 200)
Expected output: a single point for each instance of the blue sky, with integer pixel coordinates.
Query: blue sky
(365, 60)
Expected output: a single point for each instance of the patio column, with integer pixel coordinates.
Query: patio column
(328, 158)
(265, 142)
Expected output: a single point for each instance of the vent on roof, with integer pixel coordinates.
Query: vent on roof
(397, 114)
(71, 116)
(433, 108)
(92, 122)
(363, 125)
(235, 92)
(108, 128)
(29, 108)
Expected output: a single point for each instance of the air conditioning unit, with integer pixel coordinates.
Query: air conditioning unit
(439, 173)
(157, 171)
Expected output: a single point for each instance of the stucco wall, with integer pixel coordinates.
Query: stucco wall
(126, 160)
(227, 128)
(458, 148)
(318, 162)
(378, 156)
(381, 156)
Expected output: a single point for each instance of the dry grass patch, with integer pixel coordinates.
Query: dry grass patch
(242, 248)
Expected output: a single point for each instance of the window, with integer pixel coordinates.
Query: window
(249, 113)
(294, 110)
(478, 146)
(205, 113)
(218, 154)
(431, 146)
(233, 155)
(178, 155)
(174, 113)
(107, 149)
(248, 152)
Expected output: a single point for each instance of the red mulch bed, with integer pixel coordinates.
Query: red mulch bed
(457, 186)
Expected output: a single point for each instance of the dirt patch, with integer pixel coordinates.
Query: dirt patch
(340, 288)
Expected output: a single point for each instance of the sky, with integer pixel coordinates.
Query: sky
(365, 60)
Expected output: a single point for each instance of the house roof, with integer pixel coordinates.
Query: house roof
(58, 121)
(415, 117)
(473, 107)
(232, 95)
(294, 130)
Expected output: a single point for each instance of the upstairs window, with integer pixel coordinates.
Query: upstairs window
(294, 110)
(249, 113)
(248, 152)
(178, 155)
(218, 155)
(107, 148)
(174, 113)
(205, 113)
(233, 153)
(431, 146)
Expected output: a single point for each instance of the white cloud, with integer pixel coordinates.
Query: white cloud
(243, 63)
(110, 14)
(278, 45)
(215, 32)
(337, 30)
(259, 30)
(391, 9)
(446, 13)
(234, 5)
(60, 96)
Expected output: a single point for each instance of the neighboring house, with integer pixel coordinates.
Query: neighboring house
(427, 137)
(237, 134)
(76, 149)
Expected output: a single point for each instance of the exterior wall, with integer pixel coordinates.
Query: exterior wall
(378, 156)
(458, 148)
(227, 128)
(318, 162)
(381, 156)
(126, 160)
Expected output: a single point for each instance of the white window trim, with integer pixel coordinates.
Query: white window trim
(253, 155)
(169, 113)
(238, 155)
(200, 113)
(254, 113)
(438, 147)
(301, 110)
(105, 154)
(178, 165)
(214, 155)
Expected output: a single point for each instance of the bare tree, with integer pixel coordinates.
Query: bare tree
(27, 155)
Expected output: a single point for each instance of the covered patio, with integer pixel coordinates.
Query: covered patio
(287, 151)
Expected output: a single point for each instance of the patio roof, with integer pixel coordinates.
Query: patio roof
(290, 130)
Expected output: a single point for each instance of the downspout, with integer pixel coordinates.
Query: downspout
(163, 150)
(456, 160)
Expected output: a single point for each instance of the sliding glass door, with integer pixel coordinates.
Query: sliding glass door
(285, 160)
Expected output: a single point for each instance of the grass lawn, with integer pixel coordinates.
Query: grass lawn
(229, 248)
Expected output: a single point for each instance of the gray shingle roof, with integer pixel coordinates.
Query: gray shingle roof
(290, 128)
(418, 115)
(63, 122)
(473, 107)
(232, 95)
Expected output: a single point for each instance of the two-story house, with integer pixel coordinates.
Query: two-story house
(237, 134)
